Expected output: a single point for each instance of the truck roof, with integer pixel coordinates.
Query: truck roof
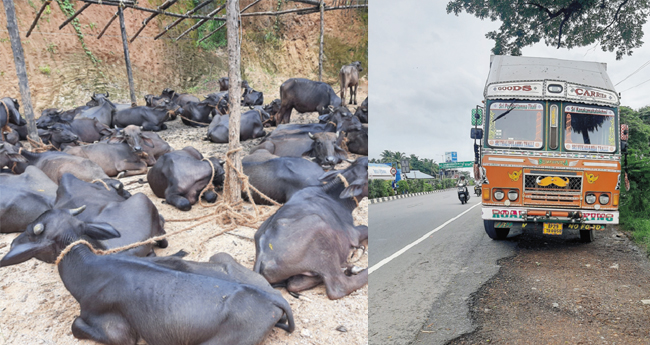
(529, 78)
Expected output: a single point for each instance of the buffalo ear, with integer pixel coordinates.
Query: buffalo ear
(21, 252)
(354, 189)
(146, 141)
(15, 157)
(324, 117)
(101, 231)
(329, 176)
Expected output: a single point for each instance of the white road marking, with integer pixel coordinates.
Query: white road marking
(403, 250)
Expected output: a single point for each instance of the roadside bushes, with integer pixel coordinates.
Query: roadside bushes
(379, 189)
(635, 204)
(383, 188)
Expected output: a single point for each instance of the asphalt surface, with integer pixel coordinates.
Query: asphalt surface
(418, 293)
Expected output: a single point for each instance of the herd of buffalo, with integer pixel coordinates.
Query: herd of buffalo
(69, 190)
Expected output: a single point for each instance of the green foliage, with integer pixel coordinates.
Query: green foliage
(635, 204)
(402, 187)
(51, 48)
(425, 165)
(379, 189)
(338, 54)
(45, 69)
(617, 25)
(3, 40)
(219, 39)
(92, 26)
(69, 10)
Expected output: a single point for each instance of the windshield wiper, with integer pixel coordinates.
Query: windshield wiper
(511, 107)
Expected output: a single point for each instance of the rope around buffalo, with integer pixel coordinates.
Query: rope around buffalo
(223, 212)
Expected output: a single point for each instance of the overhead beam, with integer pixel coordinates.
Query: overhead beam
(302, 11)
(85, 6)
(177, 21)
(107, 25)
(200, 22)
(170, 14)
(38, 15)
(164, 6)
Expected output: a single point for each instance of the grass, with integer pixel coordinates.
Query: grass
(45, 69)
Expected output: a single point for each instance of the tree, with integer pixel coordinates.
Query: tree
(615, 24)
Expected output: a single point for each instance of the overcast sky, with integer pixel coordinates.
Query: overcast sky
(428, 69)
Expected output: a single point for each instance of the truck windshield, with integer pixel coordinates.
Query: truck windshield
(589, 129)
(520, 127)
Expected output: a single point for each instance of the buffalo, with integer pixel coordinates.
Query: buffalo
(180, 176)
(362, 111)
(150, 119)
(163, 301)
(149, 142)
(322, 147)
(180, 99)
(103, 112)
(114, 159)
(357, 141)
(305, 96)
(9, 114)
(279, 177)
(10, 156)
(251, 126)
(339, 119)
(58, 135)
(252, 97)
(24, 198)
(221, 99)
(197, 114)
(54, 164)
(349, 77)
(308, 240)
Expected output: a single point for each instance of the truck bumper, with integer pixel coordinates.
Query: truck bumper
(552, 215)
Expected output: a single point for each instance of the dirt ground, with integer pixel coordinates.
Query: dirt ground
(35, 307)
(558, 291)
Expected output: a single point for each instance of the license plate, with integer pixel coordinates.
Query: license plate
(586, 227)
(552, 228)
(503, 225)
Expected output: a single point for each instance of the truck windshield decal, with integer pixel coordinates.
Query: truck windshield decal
(522, 127)
(589, 129)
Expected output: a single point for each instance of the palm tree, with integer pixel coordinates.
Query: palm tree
(387, 156)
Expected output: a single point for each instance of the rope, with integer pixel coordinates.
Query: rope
(346, 185)
(5, 126)
(39, 146)
(104, 183)
(209, 186)
(201, 123)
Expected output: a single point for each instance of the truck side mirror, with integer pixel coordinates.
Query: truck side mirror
(623, 146)
(476, 133)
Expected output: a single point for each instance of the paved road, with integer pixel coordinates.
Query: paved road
(420, 296)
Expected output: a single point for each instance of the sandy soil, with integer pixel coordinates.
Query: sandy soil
(35, 307)
(557, 291)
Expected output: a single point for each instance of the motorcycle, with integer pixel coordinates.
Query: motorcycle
(477, 190)
(463, 193)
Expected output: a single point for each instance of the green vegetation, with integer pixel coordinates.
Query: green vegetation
(383, 188)
(69, 10)
(51, 48)
(45, 69)
(217, 40)
(635, 203)
(425, 165)
(338, 53)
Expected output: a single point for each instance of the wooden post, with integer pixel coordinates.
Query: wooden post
(127, 59)
(21, 70)
(232, 185)
(320, 52)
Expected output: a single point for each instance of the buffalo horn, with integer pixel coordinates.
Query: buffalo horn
(107, 94)
(338, 133)
(311, 136)
(76, 211)
(349, 160)
(2, 145)
(38, 229)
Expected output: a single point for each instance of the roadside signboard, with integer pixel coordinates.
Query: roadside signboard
(451, 157)
(455, 165)
(479, 121)
(393, 171)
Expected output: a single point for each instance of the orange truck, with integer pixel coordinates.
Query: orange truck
(550, 156)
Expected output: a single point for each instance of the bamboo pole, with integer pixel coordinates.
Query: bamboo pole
(21, 69)
(107, 25)
(177, 21)
(320, 50)
(38, 15)
(232, 185)
(144, 9)
(127, 59)
(301, 11)
(85, 6)
(164, 6)
(200, 22)
(224, 24)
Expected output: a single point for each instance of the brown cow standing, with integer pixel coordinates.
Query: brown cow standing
(349, 77)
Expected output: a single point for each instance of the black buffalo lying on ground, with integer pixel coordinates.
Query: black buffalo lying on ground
(338, 119)
(279, 177)
(322, 147)
(180, 176)
(10, 156)
(197, 114)
(362, 111)
(309, 239)
(9, 114)
(24, 198)
(115, 159)
(305, 96)
(135, 217)
(252, 97)
(103, 112)
(150, 119)
(164, 301)
(251, 126)
(357, 141)
(180, 99)
(54, 164)
(221, 99)
(149, 142)
(58, 134)
(50, 116)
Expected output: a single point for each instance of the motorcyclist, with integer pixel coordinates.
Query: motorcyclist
(461, 181)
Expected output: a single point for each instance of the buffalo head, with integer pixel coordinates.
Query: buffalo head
(9, 154)
(356, 176)
(51, 232)
(13, 116)
(131, 135)
(325, 149)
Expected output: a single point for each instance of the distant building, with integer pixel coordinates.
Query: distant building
(418, 175)
(380, 171)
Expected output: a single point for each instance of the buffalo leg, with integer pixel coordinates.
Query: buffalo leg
(351, 94)
(178, 201)
(363, 235)
(355, 93)
(131, 169)
(210, 196)
(118, 332)
(148, 126)
(302, 282)
(338, 285)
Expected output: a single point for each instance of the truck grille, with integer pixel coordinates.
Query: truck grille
(552, 194)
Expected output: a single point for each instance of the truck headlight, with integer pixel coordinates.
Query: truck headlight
(590, 198)
(513, 195)
(603, 199)
(499, 195)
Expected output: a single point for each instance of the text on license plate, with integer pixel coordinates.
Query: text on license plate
(552, 228)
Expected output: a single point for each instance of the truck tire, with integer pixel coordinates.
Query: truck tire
(587, 236)
(495, 233)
